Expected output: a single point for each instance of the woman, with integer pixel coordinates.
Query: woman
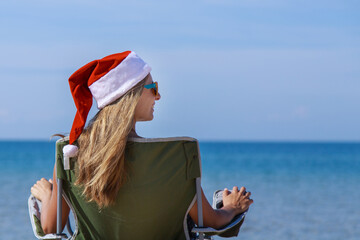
(126, 94)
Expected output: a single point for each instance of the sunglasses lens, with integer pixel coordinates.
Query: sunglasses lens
(153, 88)
(156, 90)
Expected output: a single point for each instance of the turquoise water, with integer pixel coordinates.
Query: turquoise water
(301, 190)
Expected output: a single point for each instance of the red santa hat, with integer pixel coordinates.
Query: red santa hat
(106, 80)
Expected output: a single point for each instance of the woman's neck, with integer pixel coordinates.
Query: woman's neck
(133, 133)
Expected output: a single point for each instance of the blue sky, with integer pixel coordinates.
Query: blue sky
(227, 70)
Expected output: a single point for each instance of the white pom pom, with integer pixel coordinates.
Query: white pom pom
(70, 151)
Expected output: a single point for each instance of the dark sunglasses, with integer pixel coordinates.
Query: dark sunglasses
(154, 87)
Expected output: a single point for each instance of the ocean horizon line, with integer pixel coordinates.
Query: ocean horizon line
(220, 140)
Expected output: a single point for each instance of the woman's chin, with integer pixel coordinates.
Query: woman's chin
(146, 119)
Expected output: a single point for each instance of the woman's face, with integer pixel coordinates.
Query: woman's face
(144, 110)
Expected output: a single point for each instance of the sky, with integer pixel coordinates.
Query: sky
(228, 70)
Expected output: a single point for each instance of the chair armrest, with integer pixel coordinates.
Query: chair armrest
(34, 206)
(230, 230)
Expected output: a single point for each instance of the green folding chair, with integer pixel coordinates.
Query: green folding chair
(164, 183)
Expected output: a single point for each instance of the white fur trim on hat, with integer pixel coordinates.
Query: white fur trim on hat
(70, 150)
(119, 80)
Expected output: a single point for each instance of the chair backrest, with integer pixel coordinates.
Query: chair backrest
(154, 202)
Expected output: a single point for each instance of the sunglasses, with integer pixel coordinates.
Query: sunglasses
(154, 87)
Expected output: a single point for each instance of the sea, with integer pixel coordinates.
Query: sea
(301, 190)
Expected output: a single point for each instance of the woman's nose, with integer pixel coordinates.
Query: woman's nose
(158, 97)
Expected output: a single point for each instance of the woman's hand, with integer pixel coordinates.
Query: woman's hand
(42, 189)
(238, 201)
(234, 203)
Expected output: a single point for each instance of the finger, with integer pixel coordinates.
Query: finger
(37, 196)
(45, 186)
(242, 190)
(45, 181)
(248, 194)
(235, 189)
(226, 192)
(34, 191)
(50, 181)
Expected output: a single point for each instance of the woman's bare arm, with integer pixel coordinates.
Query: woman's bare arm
(235, 203)
(48, 197)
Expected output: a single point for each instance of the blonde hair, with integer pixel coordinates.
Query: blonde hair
(102, 168)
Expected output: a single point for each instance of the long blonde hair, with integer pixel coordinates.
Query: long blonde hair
(102, 168)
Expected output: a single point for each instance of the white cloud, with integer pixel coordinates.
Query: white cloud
(5, 116)
(296, 114)
(249, 3)
(273, 4)
(300, 112)
(4, 113)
